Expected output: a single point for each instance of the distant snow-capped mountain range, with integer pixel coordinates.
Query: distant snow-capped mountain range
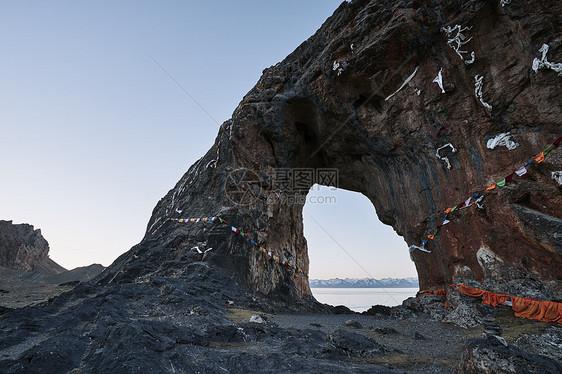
(365, 283)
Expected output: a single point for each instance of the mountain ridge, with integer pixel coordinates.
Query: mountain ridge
(409, 282)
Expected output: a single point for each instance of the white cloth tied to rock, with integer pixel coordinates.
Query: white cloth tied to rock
(543, 63)
(502, 139)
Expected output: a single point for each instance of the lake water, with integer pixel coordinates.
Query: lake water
(361, 299)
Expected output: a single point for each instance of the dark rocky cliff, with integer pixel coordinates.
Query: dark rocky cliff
(361, 97)
(24, 248)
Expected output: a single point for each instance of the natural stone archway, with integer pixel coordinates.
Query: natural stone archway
(333, 103)
(347, 240)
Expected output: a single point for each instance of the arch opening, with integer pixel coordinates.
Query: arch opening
(355, 259)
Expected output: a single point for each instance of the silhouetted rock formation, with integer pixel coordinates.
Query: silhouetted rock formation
(23, 248)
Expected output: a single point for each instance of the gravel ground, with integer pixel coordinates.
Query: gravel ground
(426, 346)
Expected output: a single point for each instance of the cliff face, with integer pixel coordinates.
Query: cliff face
(24, 248)
(409, 103)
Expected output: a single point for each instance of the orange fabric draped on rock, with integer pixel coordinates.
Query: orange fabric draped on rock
(473, 292)
(494, 299)
(436, 292)
(489, 298)
(547, 311)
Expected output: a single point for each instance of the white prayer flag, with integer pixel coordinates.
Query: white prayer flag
(521, 171)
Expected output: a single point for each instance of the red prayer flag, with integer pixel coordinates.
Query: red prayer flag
(509, 177)
(557, 142)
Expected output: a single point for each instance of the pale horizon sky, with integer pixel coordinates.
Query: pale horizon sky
(94, 133)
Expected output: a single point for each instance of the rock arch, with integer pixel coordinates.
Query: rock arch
(329, 105)
(345, 237)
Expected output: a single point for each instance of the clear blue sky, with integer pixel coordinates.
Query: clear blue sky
(94, 133)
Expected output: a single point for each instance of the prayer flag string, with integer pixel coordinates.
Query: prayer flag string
(503, 182)
(264, 250)
(239, 232)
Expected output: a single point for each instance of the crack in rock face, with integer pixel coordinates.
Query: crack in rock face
(363, 115)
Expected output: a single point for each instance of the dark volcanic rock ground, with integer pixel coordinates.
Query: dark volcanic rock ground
(197, 320)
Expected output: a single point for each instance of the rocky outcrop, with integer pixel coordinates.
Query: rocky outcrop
(24, 248)
(383, 101)
(27, 275)
(489, 356)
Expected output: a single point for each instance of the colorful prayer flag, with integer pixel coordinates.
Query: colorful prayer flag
(539, 158)
(521, 171)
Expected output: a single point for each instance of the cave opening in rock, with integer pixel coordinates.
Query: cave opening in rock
(348, 246)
